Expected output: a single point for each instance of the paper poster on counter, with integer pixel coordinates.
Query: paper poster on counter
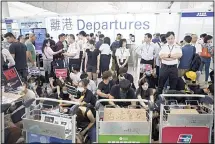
(12, 78)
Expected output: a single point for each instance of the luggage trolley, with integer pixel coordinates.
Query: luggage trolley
(50, 126)
(123, 131)
(187, 122)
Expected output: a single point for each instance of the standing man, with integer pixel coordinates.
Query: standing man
(100, 42)
(156, 38)
(147, 51)
(196, 44)
(31, 50)
(83, 43)
(169, 55)
(114, 46)
(59, 46)
(19, 53)
(187, 55)
(73, 52)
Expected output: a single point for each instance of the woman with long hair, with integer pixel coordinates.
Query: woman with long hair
(206, 59)
(48, 53)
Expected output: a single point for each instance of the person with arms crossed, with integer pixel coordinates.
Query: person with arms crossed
(169, 55)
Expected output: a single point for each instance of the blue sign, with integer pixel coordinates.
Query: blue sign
(38, 139)
(8, 21)
(40, 34)
(25, 31)
(197, 14)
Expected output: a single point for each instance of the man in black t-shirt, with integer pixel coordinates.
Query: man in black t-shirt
(122, 91)
(105, 86)
(19, 53)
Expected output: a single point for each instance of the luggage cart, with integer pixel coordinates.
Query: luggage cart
(188, 122)
(122, 131)
(42, 126)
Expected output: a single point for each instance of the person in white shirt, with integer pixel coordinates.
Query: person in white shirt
(47, 54)
(73, 52)
(169, 55)
(83, 43)
(196, 44)
(122, 55)
(147, 52)
(75, 75)
(105, 55)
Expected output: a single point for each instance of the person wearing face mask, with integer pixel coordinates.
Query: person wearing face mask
(123, 74)
(105, 86)
(92, 85)
(144, 92)
(151, 78)
(122, 56)
(206, 55)
(48, 54)
(122, 91)
(92, 61)
(86, 96)
(27, 93)
(75, 75)
(64, 95)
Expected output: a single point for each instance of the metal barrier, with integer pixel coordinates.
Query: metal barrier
(49, 125)
(123, 131)
(187, 122)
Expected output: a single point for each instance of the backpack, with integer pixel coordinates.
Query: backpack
(196, 62)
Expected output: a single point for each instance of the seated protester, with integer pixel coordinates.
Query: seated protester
(64, 94)
(151, 77)
(144, 92)
(105, 86)
(209, 98)
(92, 85)
(123, 73)
(86, 120)
(86, 96)
(122, 91)
(75, 75)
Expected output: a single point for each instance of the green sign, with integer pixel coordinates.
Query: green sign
(124, 138)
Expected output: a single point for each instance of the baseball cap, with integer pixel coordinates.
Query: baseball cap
(191, 75)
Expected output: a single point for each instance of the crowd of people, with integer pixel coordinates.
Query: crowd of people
(164, 65)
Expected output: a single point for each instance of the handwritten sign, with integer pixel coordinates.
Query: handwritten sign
(121, 114)
(12, 78)
(61, 73)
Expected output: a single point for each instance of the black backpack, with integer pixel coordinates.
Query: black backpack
(196, 62)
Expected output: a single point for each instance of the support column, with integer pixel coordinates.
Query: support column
(5, 10)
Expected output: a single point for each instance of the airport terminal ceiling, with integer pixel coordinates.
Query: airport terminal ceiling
(52, 8)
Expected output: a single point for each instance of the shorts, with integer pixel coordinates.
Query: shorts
(91, 69)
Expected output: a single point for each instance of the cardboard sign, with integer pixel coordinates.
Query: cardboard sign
(61, 73)
(122, 114)
(12, 78)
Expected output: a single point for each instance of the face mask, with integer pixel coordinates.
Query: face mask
(80, 89)
(23, 88)
(145, 87)
(110, 78)
(65, 92)
(148, 73)
(32, 85)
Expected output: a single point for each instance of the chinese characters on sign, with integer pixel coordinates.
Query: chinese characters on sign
(61, 24)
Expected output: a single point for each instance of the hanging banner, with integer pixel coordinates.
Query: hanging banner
(8, 23)
(31, 23)
(12, 78)
(40, 34)
(198, 14)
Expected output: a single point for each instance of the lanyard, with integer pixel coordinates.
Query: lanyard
(171, 48)
(147, 48)
(122, 51)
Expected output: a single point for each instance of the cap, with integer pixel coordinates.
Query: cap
(191, 75)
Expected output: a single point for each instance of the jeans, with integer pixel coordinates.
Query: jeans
(206, 62)
(92, 133)
(23, 73)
